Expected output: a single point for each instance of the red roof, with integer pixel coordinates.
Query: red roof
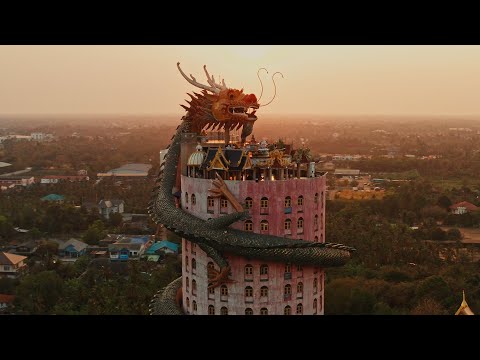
(466, 205)
(10, 259)
(6, 299)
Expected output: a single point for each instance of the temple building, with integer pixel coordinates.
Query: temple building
(464, 309)
(251, 214)
(285, 197)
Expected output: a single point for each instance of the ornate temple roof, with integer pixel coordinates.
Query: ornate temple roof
(464, 309)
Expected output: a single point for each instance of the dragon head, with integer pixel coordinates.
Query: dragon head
(221, 107)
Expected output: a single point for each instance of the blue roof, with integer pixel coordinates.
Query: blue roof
(139, 240)
(53, 197)
(162, 244)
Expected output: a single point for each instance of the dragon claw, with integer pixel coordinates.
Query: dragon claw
(217, 278)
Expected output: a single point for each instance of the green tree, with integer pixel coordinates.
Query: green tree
(38, 293)
(444, 202)
(95, 233)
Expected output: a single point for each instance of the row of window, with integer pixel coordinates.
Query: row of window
(248, 269)
(263, 311)
(287, 289)
(249, 201)
(287, 224)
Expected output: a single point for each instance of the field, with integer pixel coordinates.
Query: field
(359, 195)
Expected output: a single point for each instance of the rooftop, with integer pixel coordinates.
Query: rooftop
(53, 197)
(10, 259)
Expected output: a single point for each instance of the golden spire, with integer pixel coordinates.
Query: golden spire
(464, 309)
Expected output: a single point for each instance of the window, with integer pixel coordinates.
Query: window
(320, 303)
(248, 203)
(211, 310)
(321, 238)
(316, 239)
(315, 285)
(321, 198)
(321, 221)
(186, 246)
(248, 311)
(186, 198)
(6, 267)
(287, 225)
(248, 291)
(287, 310)
(287, 290)
(223, 311)
(211, 201)
(248, 225)
(288, 201)
(264, 225)
(264, 291)
(300, 201)
(248, 270)
(315, 303)
(210, 265)
(188, 302)
(320, 282)
(186, 263)
(299, 268)
(315, 198)
(194, 305)
(264, 270)
(300, 225)
(223, 290)
(299, 309)
(315, 222)
(194, 249)
(211, 290)
(194, 287)
(288, 268)
(264, 205)
(194, 199)
(194, 266)
(300, 287)
(224, 203)
(187, 283)
(263, 311)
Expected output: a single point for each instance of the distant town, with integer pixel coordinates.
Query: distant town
(74, 227)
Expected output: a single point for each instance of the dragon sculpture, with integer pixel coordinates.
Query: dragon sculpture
(221, 107)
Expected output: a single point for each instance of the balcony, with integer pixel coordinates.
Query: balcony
(287, 276)
(287, 297)
(288, 210)
(224, 298)
(264, 277)
(248, 299)
(263, 211)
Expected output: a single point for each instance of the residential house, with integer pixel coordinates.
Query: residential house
(127, 247)
(123, 252)
(72, 248)
(6, 303)
(11, 265)
(27, 248)
(463, 207)
(107, 207)
(16, 180)
(163, 246)
(54, 198)
(55, 179)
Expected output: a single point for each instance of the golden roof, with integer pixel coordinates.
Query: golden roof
(464, 309)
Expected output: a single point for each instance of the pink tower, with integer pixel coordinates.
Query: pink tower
(285, 198)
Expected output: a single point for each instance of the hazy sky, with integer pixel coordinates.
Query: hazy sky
(343, 80)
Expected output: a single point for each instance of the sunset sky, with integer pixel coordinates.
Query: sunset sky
(329, 80)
